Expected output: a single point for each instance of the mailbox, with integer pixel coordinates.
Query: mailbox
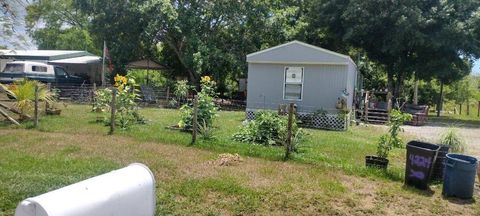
(127, 191)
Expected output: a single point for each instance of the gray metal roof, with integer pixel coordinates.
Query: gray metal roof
(298, 52)
(47, 55)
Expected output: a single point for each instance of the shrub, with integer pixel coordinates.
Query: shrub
(207, 110)
(268, 128)
(452, 139)
(392, 140)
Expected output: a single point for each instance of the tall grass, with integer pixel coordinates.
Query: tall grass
(452, 138)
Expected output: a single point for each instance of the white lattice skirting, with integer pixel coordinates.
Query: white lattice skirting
(325, 121)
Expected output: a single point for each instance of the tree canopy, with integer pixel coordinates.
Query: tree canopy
(390, 40)
(433, 39)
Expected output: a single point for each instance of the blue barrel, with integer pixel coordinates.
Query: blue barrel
(459, 178)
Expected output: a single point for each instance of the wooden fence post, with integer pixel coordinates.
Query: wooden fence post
(35, 123)
(468, 108)
(478, 109)
(460, 109)
(288, 147)
(195, 119)
(49, 87)
(168, 94)
(94, 89)
(113, 108)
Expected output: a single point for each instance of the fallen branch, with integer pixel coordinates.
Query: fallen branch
(4, 114)
(15, 111)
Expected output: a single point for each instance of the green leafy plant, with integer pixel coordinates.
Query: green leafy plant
(102, 101)
(181, 90)
(452, 138)
(392, 139)
(125, 103)
(23, 92)
(206, 132)
(207, 110)
(268, 128)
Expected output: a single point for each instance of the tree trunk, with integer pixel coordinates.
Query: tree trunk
(468, 107)
(390, 82)
(440, 100)
(415, 93)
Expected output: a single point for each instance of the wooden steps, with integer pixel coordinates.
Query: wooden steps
(377, 116)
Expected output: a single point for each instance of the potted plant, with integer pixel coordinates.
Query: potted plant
(388, 141)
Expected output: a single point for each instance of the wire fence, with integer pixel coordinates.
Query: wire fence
(149, 97)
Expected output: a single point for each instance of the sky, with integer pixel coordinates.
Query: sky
(476, 67)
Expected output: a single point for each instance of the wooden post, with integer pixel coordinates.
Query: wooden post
(365, 107)
(35, 123)
(288, 147)
(440, 100)
(478, 114)
(49, 87)
(468, 107)
(415, 93)
(195, 119)
(94, 89)
(460, 109)
(168, 94)
(113, 108)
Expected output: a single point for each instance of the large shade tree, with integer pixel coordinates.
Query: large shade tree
(213, 37)
(57, 24)
(436, 39)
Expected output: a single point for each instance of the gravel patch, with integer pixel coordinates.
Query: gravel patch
(432, 132)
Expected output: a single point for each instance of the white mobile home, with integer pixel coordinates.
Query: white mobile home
(315, 79)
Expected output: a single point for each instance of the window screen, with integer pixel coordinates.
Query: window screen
(39, 68)
(293, 83)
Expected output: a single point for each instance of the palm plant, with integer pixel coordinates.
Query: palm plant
(23, 92)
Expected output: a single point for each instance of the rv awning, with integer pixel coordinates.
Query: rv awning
(79, 60)
(146, 64)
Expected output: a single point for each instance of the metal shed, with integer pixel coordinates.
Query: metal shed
(315, 79)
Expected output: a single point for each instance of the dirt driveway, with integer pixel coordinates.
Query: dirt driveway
(433, 131)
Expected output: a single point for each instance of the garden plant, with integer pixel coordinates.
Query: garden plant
(126, 105)
(452, 139)
(268, 128)
(389, 140)
(207, 110)
(23, 92)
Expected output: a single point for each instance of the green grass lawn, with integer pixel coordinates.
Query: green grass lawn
(327, 176)
(456, 119)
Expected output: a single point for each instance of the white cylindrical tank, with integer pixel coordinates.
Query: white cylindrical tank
(127, 191)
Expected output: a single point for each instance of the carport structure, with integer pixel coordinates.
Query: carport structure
(79, 63)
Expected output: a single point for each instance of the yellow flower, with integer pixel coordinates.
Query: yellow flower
(206, 79)
(120, 80)
(117, 78)
(181, 124)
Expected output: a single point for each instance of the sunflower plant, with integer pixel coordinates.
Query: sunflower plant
(207, 110)
(125, 104)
